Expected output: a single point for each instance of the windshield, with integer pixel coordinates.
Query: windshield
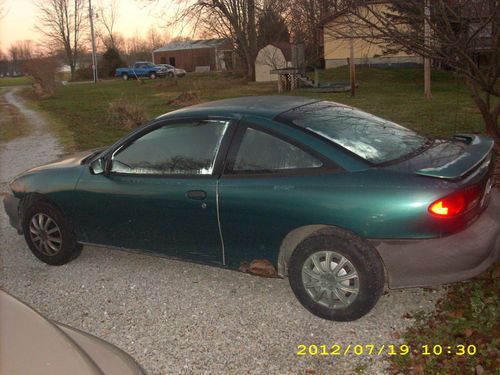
(370, 137)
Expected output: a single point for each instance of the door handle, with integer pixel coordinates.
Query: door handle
(196, 194)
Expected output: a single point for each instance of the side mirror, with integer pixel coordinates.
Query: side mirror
(98, 166)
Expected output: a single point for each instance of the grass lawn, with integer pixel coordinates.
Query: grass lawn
(396, 94)
(15, 81)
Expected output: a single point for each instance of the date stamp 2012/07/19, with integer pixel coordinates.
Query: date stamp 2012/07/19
(382, 349)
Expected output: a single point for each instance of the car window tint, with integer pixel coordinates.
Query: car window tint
(368, 136)
(188, 148)
(262, 152)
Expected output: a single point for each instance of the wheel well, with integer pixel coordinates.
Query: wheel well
(296, 236)
(30, 199)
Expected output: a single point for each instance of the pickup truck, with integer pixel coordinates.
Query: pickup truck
(141, 69)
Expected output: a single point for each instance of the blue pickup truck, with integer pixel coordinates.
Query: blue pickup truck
(141, 69)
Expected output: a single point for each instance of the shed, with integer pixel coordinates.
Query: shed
(271, 57)
(207, 54)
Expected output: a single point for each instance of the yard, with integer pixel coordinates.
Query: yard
(396, 94)
(469, 313)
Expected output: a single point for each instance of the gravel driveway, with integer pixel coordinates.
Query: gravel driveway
(177, 317)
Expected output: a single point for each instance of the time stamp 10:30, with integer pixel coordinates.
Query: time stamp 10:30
(371, 349)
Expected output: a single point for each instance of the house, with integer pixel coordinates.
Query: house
(277, 55)
(197, 55)
(336, 50)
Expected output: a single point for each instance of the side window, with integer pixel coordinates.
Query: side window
(174, 149)
(260, 152)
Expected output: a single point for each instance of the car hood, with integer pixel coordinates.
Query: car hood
(450, 158)
(53, 349)
(66, 162)
(58, 175)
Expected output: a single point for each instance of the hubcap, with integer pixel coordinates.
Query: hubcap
(45, 234)
(330, 279)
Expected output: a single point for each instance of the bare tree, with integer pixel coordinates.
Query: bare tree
(465, 36)
(156, 38)
(62, 23)
(3, 10)
(20, 53)
(232, 19)
(304, 18)
(108, 15)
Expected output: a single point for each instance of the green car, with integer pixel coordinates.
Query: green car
(338, 200)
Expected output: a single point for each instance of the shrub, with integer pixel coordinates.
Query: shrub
(43, 70)
(84, 73)
(126, 113)
(111, 60)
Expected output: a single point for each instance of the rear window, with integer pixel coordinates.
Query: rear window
(370, 137)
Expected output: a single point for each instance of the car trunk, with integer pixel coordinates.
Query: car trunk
(462, 162)
(452, 159)
(456, 158)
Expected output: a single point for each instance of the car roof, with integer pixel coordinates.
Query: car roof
(263, 106)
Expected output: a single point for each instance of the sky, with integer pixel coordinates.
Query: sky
(133, 17)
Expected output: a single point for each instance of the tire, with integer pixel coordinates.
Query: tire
(152, 75)
(170, 74)
(318, 289)
(58, 245)
(125, 76)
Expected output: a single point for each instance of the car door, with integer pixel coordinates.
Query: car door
(271, 185)
(160, 194)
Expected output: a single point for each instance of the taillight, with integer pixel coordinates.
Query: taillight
(456, 203)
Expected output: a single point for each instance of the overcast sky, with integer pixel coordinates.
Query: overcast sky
(133, 17)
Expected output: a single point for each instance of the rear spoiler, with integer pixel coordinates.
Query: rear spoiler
(477, 152)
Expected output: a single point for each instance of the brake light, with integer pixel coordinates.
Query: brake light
(456, 203)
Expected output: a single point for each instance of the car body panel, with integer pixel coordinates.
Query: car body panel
(27, 334)
(150, 213)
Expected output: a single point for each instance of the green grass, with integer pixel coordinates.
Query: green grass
(396, 94)
(15, 81)
(468, 315)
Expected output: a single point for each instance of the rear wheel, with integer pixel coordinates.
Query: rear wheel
(125, 76)
(49, 235)
(170, 74)
(336, 278)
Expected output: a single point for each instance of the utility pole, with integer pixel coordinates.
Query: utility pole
(427, 60)
(94, 58)
(352, 67)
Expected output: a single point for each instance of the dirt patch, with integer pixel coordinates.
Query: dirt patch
(186, 98)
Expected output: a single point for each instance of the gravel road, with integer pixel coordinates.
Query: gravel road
(182, 318)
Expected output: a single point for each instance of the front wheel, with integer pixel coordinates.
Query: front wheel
(49, 235)
(336, 277)
(152, 75)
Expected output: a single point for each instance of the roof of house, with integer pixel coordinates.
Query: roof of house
(193, 44)
(333, 15)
